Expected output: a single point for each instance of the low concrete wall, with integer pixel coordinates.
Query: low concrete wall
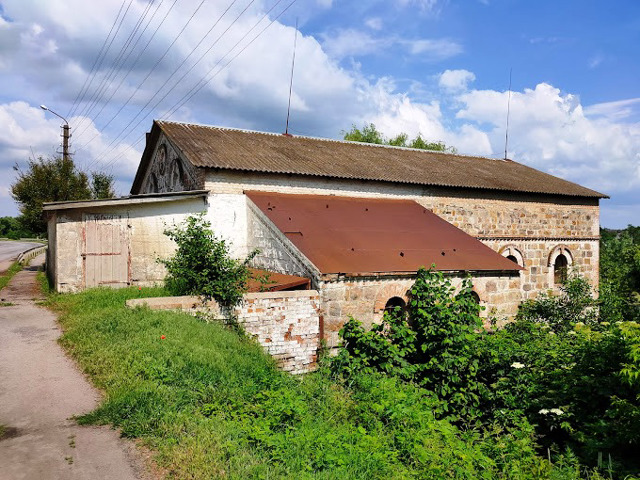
(286, 324)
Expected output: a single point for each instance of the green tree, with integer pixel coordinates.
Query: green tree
(102, 185)
(10, 227)
(370, 134)
(53, 179)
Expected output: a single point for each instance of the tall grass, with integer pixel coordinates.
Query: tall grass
(213, 405)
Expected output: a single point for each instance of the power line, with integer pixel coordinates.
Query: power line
(177, 82)
(196, 88)
(200, 85)
(119, 60)
(135, 62)
(129, 70)
(158, 62)
(97, 67)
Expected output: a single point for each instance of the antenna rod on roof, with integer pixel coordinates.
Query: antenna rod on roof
(506, 134)
(293, 63)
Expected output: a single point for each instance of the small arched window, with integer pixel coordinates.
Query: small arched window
(560, 267)
(476, 297)
(393, 303)
(512, 258)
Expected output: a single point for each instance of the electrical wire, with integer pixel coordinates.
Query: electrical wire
(194, 90)
(102, 59)
(157, 63)
(130, 69)
(135, 63)
(113, 71)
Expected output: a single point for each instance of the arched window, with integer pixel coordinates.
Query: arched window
(560, 269)
(393, 303)
(475, 296)
(513, 254)
(512, 258)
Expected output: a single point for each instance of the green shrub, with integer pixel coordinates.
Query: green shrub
(202, 265)
(431, 345)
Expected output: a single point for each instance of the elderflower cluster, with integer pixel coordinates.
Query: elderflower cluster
(517, 365)
(555, 411)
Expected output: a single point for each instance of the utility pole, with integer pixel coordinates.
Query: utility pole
(65, 133)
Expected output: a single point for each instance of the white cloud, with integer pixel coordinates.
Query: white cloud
(374, 23)
(550, 131)
(424, 6)
(437, 49)
(617, 110)
(456, 80)
(595, 60)
(325, 3)
(352, 42)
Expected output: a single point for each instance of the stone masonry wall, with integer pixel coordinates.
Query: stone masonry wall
(364, 298)
(286, 324)
(532, 227)
(538, 224)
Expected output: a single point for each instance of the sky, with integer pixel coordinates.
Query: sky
(437, 68)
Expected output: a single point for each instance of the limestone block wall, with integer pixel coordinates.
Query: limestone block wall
(537, 224)
(538, 257)
(286, 324)
(365, 298)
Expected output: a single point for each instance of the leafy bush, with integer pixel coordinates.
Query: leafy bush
(620, 274)
(559, 373)
(432, 345)
(202, 265)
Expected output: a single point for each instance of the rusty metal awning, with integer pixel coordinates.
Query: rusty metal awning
(356, 236)
(266, 281)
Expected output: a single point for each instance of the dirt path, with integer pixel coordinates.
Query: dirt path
(40, 390)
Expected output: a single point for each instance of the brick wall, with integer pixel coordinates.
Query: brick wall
(286, 324)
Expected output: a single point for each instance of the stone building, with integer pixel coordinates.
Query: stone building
(544, 225)
(355, 219)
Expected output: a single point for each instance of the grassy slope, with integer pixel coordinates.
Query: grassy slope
(6, 277)
(213, 405)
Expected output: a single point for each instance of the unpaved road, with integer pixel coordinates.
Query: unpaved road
(40, 391)
(9, 251)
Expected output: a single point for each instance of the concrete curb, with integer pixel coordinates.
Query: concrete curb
(30, 254)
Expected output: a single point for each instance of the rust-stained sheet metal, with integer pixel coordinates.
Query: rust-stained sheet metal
(275, 282)
(351, 236)
(241, 150)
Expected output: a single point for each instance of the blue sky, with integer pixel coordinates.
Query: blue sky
(439, 68)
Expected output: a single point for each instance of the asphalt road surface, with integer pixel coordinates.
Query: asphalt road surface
(9, 251)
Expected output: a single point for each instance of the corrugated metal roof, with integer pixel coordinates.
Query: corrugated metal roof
(357, 236)
(224, 148)
(266, 281)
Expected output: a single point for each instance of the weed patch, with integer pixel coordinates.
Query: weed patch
(6, 277)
